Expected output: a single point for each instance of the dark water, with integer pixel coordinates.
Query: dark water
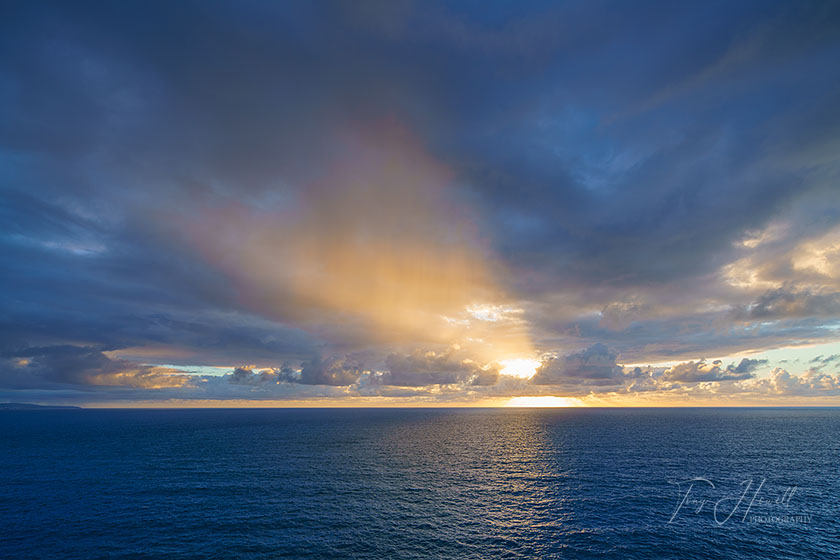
(497, 483)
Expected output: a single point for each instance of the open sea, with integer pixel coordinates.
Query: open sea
(420, 483)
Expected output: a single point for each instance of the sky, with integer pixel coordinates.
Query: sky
(396, 203)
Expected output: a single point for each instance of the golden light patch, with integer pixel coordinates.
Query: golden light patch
(378, 242)
(544, 402)
(820, 255)
(524, 368)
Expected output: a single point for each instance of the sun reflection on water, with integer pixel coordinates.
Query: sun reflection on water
(544, 402)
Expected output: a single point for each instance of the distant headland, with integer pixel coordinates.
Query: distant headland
(27, 406)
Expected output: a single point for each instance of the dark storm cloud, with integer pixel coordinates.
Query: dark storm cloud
(122, 287)
(659, 193)
(163, 106)
(80, 367)
(330, 371)
(615, 152)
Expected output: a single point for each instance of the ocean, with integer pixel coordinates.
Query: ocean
(420, 483)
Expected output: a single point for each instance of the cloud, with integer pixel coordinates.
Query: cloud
(375, 245)
(81, 366)
(595, 365)
(746, 365)
(787, 302)
(431, 170)
(782, 383)
(316, 371)
(245, 375)
(619, 315)
(430, 368)
(822, 361)
(699, 371)
(330, 371)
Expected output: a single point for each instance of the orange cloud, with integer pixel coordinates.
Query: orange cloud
(378, 240)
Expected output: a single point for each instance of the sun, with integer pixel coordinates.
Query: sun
(524, 368)
(543, 402)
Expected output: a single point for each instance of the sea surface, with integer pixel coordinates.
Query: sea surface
(420, 483)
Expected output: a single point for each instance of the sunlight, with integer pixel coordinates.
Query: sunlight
(523, 368)
(544, 402)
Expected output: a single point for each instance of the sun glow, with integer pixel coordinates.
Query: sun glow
(543, 402)
(523, 368)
